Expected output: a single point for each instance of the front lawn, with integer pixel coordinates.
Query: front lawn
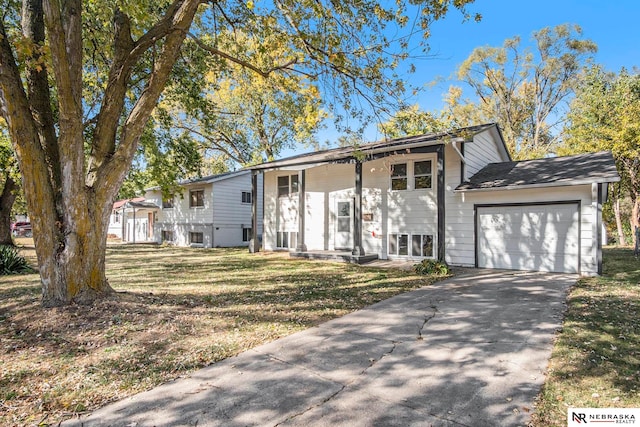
(596, 358)
(176, 310)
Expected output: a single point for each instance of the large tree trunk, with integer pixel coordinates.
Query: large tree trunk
(69, 196)
(616, 211)
(7, 198)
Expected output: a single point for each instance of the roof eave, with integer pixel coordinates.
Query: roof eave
(539, 185)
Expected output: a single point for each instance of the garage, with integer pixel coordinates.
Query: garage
(540, 237)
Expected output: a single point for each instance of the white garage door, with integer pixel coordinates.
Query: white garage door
(529, 237)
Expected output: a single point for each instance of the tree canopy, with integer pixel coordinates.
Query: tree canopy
(605, 115)
(525, 90)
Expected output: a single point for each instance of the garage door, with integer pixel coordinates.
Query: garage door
(529, 237)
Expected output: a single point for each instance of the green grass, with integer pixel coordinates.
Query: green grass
(176, 310)
(596, 358)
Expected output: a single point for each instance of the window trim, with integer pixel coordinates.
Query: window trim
(410, 177)
(394, 241)
(196, 206)
(246, 197)
(196, 233)
(246, 234)
(430, 174)
(293, 185)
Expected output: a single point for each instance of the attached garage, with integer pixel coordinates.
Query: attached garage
(538, 215)
(540, 237)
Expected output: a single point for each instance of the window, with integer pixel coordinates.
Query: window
(167, 203)
(412, 176)
(399, 176)
(286, 239)
(422, 245)
(116, 217)
(196, 198)
(282, 239)
(246, 234)
(196, 238)
(422, 174)
(283, 185)
(167, 236)
(246, 197)
(398, 244)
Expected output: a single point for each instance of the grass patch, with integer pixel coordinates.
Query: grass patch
(176, 310)
(596, 357)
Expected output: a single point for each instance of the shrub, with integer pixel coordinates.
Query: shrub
(432, 267)
(11, 262)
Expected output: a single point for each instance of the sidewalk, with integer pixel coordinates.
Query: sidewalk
(468, 351)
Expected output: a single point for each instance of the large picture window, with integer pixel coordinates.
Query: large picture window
(196, 198)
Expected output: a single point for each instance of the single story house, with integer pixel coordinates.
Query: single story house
(213, 211)
(453, 196)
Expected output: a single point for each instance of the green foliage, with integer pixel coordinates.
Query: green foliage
(432, 267)
(413, 121)
(11, 262)
(605, 115)
(523, 90)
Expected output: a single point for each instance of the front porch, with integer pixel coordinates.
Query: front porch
(339, 256)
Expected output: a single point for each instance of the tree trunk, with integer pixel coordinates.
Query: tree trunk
(7, 198)
(616, 211)
(635, 217)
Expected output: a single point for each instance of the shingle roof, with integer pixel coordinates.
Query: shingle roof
(554, 171)
(346, 153)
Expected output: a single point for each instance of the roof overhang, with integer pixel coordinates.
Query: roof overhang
(533, 186)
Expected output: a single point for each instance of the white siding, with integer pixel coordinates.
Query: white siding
(229, 214)
(220, 221)
(461, 240)
(410, 211)
(480, 152)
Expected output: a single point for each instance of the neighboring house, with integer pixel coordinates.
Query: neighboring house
(214, 211)
(453, 196)
(132, 220)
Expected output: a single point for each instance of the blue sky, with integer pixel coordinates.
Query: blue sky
(612, 25)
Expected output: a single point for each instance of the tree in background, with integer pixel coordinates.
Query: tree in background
(242, 113)
(10, 182)
(605, 115)
(413, 121)
(79, 81)
(524, 90)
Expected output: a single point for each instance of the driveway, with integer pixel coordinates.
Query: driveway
(469, 351)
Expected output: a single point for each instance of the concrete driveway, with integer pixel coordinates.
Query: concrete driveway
(469, 351)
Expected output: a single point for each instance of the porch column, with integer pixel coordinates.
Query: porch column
(254, 243)
(358, 250)
(440, 199)
(302, 209)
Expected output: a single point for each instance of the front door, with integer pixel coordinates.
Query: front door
(344, 225)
